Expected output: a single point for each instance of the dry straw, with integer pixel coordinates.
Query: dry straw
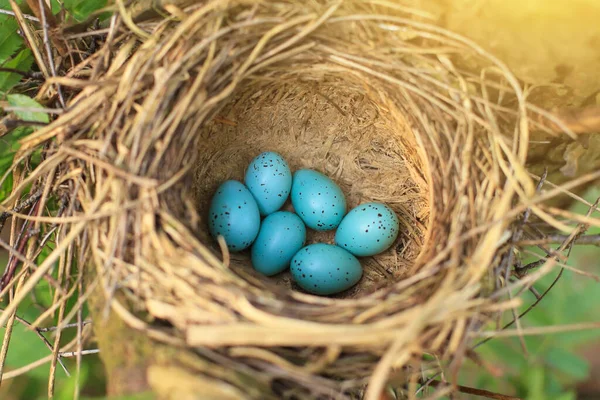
(369, 92)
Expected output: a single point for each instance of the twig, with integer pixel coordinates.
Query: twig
(21, 257)
(478, 392)
(21, 206)
(592, 240)
(13, 261)
(508, 259)
(567, 243)
(523, 269)
(13, 123)
(46, 20)
(43, 338)
(40, 362)
(73, 325)
(535, 292)
(74, 353)
(99, 32)
(31, 40)
(12, 14)
(44, 110)
(26, 74)
(540, 330)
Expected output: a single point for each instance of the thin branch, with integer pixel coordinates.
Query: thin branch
(26, 74)
(40, 362)
(47, 21)
(13, 260)
(30, 38)
(540, 330)
(75, 353)
(43, 338)
(478, 392)
(12, 14)
(73, 325)
(99, 32)
(21, 257)
(44, 110)
(592, 240)
(13, 123)
(568, 243)
(28, 202)
(509, 258)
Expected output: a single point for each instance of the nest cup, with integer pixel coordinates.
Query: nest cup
(373, 97)
(329, 124)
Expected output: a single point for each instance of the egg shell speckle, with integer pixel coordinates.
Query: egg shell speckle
(368, 229)
(269, 179)
(234, 215)
(280, 237)
(325, 269)
(318, 200)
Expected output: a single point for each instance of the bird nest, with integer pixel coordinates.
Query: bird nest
(373, 96)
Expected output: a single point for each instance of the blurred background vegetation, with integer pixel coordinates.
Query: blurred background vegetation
(557, 367)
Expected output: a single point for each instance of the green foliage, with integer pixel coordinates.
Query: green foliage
(554, 364)
(20, 100)
(12, 48)
(22, 62)
(10, 41)
(26, 347)
(11, 45)
(81, 9)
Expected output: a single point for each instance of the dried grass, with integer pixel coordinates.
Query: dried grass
(368, 93)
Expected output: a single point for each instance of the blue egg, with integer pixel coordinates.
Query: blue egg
(281, 235)
(368, 229)
(325, 269)
(318, 200)
(269, 179)
(234, 215)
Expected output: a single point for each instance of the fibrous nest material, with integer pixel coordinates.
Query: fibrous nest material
(367, 92)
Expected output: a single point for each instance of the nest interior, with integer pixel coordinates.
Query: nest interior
(334, 127)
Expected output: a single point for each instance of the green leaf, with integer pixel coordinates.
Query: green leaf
(82, 9)
(566, 396)
(6, 188)
(10, 41)
(66, 387)
(535, 384)
(22, 62)
(25, 348)
(20, 100)
(568, 363)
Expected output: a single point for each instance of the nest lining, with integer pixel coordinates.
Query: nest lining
(333, 127)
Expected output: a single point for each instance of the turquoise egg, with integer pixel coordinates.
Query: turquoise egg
(325, 269)
(368, 229)
(269, 179)
(318, 200)
(234, 215)
(281, 235)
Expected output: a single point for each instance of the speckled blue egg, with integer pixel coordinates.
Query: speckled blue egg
(325, 269)
(318, 200)
(281, 235)
(269, 179)
(368, 229)
(234, 215)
